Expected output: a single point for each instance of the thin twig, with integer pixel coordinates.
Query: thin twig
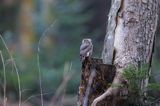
(38, 62)
(92, 75)
(36, 96)
(40, 80)
(4, 74)
(62, 87)
(16, 69)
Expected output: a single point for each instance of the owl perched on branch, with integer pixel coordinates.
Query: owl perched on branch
(86, 49)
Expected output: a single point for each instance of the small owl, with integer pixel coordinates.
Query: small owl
(86, 49)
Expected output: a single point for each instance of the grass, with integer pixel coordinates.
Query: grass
(59, 91)
(16, 69)
(38, 62)
(4, 75)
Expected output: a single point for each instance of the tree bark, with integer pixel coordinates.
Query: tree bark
(129, 41)
(95, 79)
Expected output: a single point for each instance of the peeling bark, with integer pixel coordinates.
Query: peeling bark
(134, 34)
(95, 79)
(129, 41)
(108, 50)
(135, 31)
(133, 38)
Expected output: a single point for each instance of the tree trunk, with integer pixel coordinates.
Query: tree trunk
(129, 41)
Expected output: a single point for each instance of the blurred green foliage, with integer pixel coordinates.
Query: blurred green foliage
(61, 25)
(59, 45)
(137, 93)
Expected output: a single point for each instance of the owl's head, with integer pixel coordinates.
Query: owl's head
(87, 41)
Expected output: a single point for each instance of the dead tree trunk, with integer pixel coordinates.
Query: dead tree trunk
(129, 41)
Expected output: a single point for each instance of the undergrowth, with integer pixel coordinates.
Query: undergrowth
(139, 91)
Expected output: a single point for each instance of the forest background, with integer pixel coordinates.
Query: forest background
(43, 37)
